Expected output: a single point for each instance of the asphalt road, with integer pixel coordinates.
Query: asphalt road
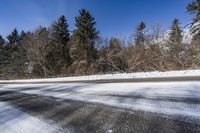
(43, 105)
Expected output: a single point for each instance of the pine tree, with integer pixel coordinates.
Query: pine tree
(139, 35)
(14, 37)
(60, 31)
(60, 37)
(86, 35)
(194, 8)
(59, 56)
(175, 37)
(22, 35)
(2, 41)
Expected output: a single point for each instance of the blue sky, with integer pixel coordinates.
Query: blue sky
(113, 17)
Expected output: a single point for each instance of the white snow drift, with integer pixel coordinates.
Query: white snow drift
(138, 75)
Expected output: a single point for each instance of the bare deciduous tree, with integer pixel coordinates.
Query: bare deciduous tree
(37, 45)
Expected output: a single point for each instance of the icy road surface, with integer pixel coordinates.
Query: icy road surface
(174, 99)
(13, 120)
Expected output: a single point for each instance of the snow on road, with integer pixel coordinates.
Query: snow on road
(175, 99)
(13, 120)
(137, 75)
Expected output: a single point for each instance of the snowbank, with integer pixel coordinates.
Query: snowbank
(138, 75)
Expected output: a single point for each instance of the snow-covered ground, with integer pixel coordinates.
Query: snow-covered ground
(13, 120)
(175, 99)
(156, 74)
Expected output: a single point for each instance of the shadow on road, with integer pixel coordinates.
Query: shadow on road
(157, 98)
(89, 118)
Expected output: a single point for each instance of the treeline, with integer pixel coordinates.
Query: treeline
(55, 51)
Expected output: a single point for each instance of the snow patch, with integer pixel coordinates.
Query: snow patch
(138, 75)
(13, 120)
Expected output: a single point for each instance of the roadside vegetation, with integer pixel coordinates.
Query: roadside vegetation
(55, 51)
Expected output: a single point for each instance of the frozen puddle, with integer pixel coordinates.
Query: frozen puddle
(13, 120)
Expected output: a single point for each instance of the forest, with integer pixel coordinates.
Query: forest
(54, 51)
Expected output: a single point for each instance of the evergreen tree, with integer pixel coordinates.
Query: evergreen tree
(59, 57)
(60, 31)
(14, 37)
(139, 35)
(2, 41)
(60, 37)
(22, 35)
(13, 57)
(86, 35)
(175, 37)
(194, 8)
